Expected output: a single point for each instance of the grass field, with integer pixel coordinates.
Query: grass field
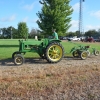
(8, 46)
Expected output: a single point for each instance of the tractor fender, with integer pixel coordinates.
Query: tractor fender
(54, 40)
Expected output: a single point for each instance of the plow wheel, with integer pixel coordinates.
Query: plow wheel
(96, 52)
(75, 54)
(54, 52)
(84, 55)
(88, 52)
(18, 59)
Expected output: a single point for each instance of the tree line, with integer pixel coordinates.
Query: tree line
(23, 33)
(90, 33)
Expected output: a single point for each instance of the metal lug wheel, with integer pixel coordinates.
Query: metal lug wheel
(54, 52)
(84, 55)
(96, 52)
(75, 54)
(88, 52)
(18, 59)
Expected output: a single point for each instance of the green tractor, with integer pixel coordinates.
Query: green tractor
(49, 49)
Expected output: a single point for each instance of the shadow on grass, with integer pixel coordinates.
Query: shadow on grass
(10, 61)
(6, 62)
(8, 46)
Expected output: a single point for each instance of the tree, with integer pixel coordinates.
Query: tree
(91, 33)
(78, 34)
(15, 33)
(22, 30)
(9, 32)
(55, 14)
(3, 32)
(99, 31)
(33, 33)
(71, 34)
(6, 33)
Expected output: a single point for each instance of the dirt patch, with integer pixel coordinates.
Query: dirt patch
(70, 79)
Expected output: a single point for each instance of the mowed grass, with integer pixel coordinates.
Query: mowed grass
(8, 46)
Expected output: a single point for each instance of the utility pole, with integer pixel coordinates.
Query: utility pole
(0, 30)
(81, 17)
(11, 32)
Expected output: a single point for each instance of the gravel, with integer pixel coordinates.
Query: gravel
(42, 63)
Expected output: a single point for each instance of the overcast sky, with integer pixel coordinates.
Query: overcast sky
(15, 11)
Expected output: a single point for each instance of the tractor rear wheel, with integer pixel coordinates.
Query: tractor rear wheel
(54, 52)
(84, 55)
(18, 59)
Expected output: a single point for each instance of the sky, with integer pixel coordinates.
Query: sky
(15, 11)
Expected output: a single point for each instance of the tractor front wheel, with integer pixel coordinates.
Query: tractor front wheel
(18, 59)
(84, 55)
(54, 52)
(15, 53)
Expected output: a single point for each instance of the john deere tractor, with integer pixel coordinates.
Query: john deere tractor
(49, 49)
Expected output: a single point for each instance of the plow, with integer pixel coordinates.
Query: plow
(83, 52)
(49, 49)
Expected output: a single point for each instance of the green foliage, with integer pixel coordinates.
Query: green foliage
(4, 33)
(15, 33)
(71, 34)
(55, 14)
(91, 33)
(22, 30)
(34, 32)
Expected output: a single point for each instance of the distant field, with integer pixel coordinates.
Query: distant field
(8, 46)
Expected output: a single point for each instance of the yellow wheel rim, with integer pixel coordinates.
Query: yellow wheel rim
(96, 53)
(76, 54)
(55, 53)
(18, 60)
(84, 55)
